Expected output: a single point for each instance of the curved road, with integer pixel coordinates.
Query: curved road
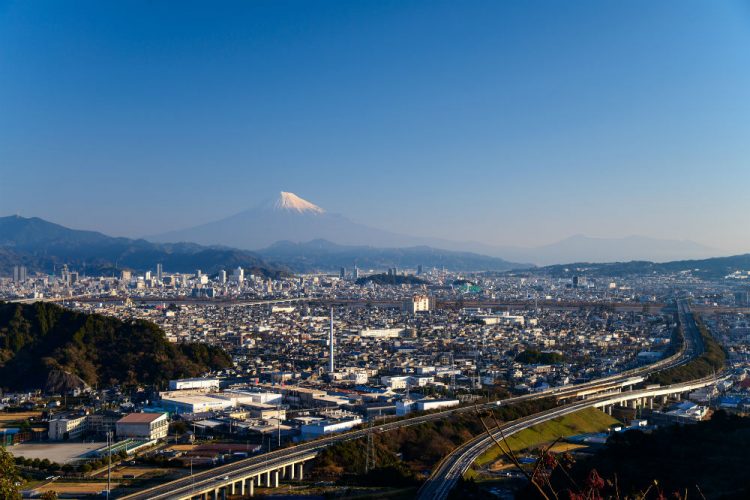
(454, 466)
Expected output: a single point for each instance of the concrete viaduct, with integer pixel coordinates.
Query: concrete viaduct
(243, 481)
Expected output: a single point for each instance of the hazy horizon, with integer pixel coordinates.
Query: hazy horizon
(508, 124)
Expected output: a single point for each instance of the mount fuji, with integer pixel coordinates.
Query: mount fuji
(294, 220)
(287, 218)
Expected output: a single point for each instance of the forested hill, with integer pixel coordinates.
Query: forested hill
(41, 246)
(44, 346)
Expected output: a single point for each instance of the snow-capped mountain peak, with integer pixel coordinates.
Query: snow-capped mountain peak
(290, 202)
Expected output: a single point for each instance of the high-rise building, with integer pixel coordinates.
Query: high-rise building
(222, 277)
(158, 272)
(342, 273)
(147, 276)
(355, 273)
(419, 269)
(418, 303)
(126, 275)
(238, 275)
(19, 274)
(65, 275)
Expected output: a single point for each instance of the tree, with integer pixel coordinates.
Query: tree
(49, 495)
(8, 476)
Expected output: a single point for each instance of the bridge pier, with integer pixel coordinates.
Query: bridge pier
(250, 487)
(276, 478)
(300, 470)
(291, 471)
(650, 403)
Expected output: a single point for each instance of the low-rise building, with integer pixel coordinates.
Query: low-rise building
(193, 383)
(324, 426)
(150, 426)
(65, 427)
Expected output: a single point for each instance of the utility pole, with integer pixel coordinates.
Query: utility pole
(109, 460)
(370, 453)
(330, 346)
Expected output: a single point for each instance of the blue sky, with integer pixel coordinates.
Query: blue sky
(514, 122)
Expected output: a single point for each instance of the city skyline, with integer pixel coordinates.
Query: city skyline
(504, 124)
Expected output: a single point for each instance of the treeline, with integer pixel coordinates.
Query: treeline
(711, 361)
(705, 460)
(534, 357)
(46, 465)
(40, 341)
(403, 455)
(390, 279)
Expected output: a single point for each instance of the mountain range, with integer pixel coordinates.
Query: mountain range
(43, 246)
(323, 255)
(290, 218)
(290, 233)
(713, 268)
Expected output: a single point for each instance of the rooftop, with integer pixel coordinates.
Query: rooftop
(140, 418)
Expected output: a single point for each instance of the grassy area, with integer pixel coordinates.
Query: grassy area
(14, 419)
(584, 421)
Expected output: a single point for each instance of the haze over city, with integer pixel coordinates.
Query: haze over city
(506, 124)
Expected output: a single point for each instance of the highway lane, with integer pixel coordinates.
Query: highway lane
(455, 465)
(452, 467)
(167, 490)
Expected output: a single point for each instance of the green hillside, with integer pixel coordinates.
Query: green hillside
(581, 422)
(46, 346)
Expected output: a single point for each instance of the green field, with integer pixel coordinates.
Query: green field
(584, 421)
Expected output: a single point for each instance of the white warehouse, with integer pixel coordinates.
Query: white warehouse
(193, 383)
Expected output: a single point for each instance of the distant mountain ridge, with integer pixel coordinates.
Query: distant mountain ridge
(294, 219)
(712, 268)
(581, 248)
(41, 246)
(323, 255)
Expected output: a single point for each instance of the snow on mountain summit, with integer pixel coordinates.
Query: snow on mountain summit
(292, 203)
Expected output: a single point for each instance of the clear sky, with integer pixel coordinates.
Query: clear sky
(508, 122)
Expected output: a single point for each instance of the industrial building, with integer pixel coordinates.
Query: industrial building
(149, 426)
(193, 383)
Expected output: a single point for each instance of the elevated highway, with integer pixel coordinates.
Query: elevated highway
(454, 466)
